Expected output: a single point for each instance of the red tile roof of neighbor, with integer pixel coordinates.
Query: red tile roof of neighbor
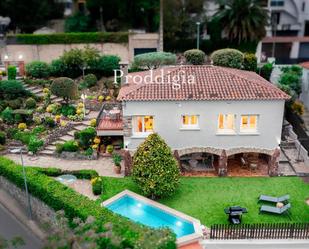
(210, 83)
(109, 124)
(305, 64)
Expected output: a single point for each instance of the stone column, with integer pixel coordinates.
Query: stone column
(127, 126)
(222, 169)
(273, 163)
(127, 162)
(21, 66)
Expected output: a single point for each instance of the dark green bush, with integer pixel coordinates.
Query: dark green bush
(227, 58)
(23, 115)
(30, 103)
(64, 87)
(76, 135)
(58, 68)
(250, 62)
(60, 197)
(266, 70)
(106, 65)
(195, 56)
(67, 38)
(7, 115)
(49, 122)
(38, 69)
(70, 146)
(86, 137)
(79, 22)
(12, 89)
(67, 110)
(155, 170)
(11, 132)
(15, 103)
(90, 80)
(2, 137)
(12, 72)
(80, 174)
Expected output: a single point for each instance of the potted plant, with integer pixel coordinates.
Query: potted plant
(117, 162)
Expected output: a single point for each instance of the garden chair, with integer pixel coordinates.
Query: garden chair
(282, 199)
(275, 210)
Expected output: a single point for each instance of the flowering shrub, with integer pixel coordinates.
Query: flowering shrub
(22, 126)
(93, 122)
(100, 98)
(97, 185)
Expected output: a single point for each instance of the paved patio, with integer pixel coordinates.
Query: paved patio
(104, 165)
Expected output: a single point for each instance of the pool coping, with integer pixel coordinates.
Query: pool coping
(188, 239)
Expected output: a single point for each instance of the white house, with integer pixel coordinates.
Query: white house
(203, 109)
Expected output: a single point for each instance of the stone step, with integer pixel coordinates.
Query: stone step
(66, 138)
(80, 127)
(50, 147)
(30, 88)
(71, 133)
(46, 152)
(36, 91)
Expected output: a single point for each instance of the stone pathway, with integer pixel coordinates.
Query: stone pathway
(83, 187)
(104, 165)
(297, 164)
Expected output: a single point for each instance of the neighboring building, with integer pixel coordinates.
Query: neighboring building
(224, 112)
(304, 96)
(287, 37)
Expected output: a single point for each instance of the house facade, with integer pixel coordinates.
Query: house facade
(221, 112)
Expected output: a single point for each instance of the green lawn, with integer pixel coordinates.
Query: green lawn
(205, 198)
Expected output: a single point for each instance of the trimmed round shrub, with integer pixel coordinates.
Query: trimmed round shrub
(64, 87)
(38, 69)
(154, 60)
(97, 185)
(155, 170)
(30, 103)
(22, 126)
(109, 149)
(2, 138)
(228, 58)
(7, 115)
(250, 62)
(90, 80)
(195, 56)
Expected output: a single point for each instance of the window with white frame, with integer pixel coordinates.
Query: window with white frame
(226, 123)
(189, 121)
(249, 123)
(143, 125)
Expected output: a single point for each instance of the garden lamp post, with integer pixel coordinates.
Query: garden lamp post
(84, 97)
(198, 35)
(20, 151)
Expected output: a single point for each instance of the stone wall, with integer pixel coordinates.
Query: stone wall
(127, 126)
(41, 213)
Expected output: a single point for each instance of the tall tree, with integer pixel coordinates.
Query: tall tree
(31, 14)
(242, 20)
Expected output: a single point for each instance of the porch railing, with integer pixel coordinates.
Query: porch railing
(260, 231)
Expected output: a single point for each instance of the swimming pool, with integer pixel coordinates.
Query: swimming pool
(153, 214)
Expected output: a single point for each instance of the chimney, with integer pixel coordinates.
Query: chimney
(124, 67)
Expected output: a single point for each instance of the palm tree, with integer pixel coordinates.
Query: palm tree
(243, 19)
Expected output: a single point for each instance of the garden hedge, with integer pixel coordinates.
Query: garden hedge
(67, 38)
(61, 197)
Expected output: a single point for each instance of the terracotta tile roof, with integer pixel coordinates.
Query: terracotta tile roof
(108, 124)
(305, 64)
(211, 83)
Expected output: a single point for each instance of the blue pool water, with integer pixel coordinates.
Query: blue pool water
(149, 215)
